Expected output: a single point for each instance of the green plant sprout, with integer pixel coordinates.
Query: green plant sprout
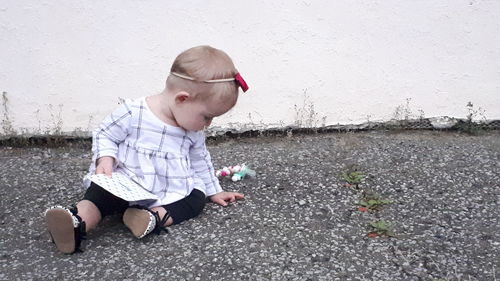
(353, 178)
(381, 228)
(372, 202)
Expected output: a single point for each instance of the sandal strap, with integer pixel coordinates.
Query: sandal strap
(160, 224)
(159, 227)
(80, 234)
(80, 230)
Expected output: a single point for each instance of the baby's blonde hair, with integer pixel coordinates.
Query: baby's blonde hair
(204, 63)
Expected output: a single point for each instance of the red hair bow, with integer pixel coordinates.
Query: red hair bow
(241, 82)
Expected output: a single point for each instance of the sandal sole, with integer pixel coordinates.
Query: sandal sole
(60, 226)
(137, 220)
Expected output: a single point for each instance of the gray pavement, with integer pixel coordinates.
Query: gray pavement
(299, 220)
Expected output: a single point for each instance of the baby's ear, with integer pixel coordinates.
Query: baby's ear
(182, 96)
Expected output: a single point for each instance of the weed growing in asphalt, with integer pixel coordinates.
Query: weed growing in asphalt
(469, 126)
(369, 202)
(57, 120)
(306, 115)
(7, 127)
(381, 228)
(403, 113)
(372, 204)
(353, 178)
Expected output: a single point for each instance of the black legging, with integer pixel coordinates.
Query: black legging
(108, 204)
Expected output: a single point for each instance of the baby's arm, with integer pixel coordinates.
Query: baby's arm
(105, 165)
(201, 163)
(223, 197)
(203, 167)
(111, 132)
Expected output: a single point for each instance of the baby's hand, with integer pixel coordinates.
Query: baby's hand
(105, 165)
(221, 198)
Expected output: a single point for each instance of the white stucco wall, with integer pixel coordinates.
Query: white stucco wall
(65, 63)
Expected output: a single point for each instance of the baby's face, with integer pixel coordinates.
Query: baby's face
(198, 114)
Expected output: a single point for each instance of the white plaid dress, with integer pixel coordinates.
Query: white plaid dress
(167, 161)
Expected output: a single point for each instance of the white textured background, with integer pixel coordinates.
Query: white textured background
(65, 63)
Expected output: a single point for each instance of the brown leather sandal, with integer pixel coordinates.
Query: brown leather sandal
(66, 228)
(142, 221)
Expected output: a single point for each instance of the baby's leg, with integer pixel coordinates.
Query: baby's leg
(143, 221)
(89, 213)
(187, 208)
(68, 226)
(162, 212)
(98, 203)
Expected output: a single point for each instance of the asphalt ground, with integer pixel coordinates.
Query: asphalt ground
(299, 220)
